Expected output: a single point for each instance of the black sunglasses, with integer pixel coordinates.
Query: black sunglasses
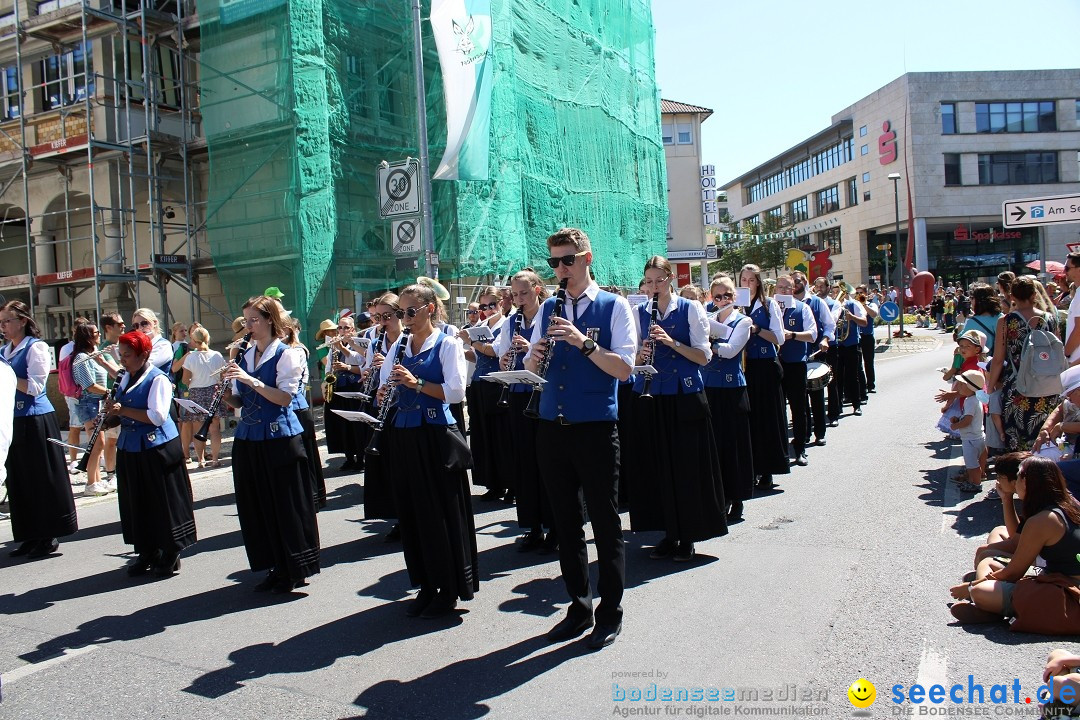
(471, 312)
(723, 296)
(567, 260)
(385, 316)
(410, 312)
(489, 306)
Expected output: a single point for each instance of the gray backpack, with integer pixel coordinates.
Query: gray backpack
(1041, 363)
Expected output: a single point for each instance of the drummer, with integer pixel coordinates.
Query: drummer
(800, 330)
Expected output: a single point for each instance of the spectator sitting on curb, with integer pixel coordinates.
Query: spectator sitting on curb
(1062, 675)
(1003, 539)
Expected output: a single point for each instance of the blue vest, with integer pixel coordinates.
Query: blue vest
(136, 436)
(818, 308)
(415, 408)
(757, 348)
(261, 419)
(674, 373)
(576, 388)
(24, 404)
(726, 372)
(853, 328)
(794, 351)
(869, 329)
(485, 364)
(346, 380)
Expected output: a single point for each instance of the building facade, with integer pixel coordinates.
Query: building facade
(691, 193)
(962, 144)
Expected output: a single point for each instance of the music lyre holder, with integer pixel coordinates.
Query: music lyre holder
(516, 377)
(643, 370)
(352, 395)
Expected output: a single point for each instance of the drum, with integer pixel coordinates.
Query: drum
(818, 375)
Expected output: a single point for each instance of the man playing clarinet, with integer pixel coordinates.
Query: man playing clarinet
(591, 345)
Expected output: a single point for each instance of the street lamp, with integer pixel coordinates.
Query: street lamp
(895, 177)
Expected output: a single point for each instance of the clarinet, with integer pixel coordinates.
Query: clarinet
(654, 316)
(99, 421)
(532, 410)
(511, 360)
(219, 394)
(389, 397)
(371, 384)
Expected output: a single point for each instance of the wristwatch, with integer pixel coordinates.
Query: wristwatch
(257, 384)
(678, 344)
(588, 347)
(419, 384)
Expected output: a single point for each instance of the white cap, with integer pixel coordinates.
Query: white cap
(1070, 380)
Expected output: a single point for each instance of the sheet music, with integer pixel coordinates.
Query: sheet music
(191, 406)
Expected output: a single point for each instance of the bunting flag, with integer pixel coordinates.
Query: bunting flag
(462, 31)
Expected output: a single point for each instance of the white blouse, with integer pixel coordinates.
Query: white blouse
(776, 319)
(452, 357)
(736, 341)
(699, 323)
(160, 398)
(290, 367)
(37, 364)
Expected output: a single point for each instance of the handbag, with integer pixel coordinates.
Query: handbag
(1047, 604)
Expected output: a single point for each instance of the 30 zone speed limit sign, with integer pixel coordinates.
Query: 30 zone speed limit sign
(399, 189)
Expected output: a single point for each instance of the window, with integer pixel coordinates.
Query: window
(66, 78)
(775, 214)
(1018, 168)
(10, 79)
(852, 193)
(865, 178)
(799, 210)
(666, 130)
(831, 239)
(948, 118)
(686, 133)
(1014, 117)
(822, 161)
(828, 200)
(862, 131)
(165, 69)
(952, 169)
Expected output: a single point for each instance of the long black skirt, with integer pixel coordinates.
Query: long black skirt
(627, 404)
(156, 505)
(39, 490)
(484, 433)
(678, 487)
(311, 448)
(438, 535)
(517, 460)
(341, 435)
(275, 502)
(379, 500)
(730, 411)
(768, 417)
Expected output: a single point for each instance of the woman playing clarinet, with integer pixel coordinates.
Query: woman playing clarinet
(379, 503)
(39, 492)
(484, 415)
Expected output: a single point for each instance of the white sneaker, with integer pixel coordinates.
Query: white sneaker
(111, 484)
(98, 488)
(73, 468)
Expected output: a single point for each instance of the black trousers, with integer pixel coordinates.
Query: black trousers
(582, 462)
(836, 385)
(815, 413)
(850, 368)
(867, 344)
(794, 384)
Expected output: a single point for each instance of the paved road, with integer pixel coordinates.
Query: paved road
(840, 576)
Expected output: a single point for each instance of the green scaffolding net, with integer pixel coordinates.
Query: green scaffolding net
(302, 99)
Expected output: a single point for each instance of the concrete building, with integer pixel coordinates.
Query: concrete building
(962, 142)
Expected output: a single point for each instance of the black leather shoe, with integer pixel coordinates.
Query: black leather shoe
(442, 604)
(348, 466)
(664, 549)
(268, 582)
(858, 411)
(820, 442)
(420, 602)
(684, 553)
(569, 628)
(765, 483)
(509, 498)
(734, 513)
(167, 565)
(142, 564)
(531, 541)
(603, 635)
(394, 535)
(551, 543)
(834, 423)
(43, 549)
(286, 585)
(492, 495)
(24, 548)
(801, 460)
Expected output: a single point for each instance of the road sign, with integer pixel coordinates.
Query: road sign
(405, 236)
(1041, 211)
(687, 254)
(889, 311)
(885, 246)
(399, 189)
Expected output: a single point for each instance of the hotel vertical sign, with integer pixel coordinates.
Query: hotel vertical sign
(710, 214)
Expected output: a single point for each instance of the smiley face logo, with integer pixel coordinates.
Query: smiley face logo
(862, 693)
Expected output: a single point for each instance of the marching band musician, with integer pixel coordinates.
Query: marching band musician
(832, 354)
(823, 319)
(592, 347)
(39, 491)
(302, 408)
(768, 418)
(484, 431)
(379, 502)
(725, 389)
(517, 456)
(800, 330)
(850, 354)
(341, 435)
(430, 458)
(156, 512)
(627, 404)
(867, 343)
(678, 487)
(274, 495)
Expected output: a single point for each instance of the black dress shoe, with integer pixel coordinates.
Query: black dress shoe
(684, 553)
(858, 411)
(569, 628)
(820, 442)
(834, 423)
(286, 585)
(801, 460)
(420, 602)
(492, 495)
(394, 535)
(349, 464)
(167, 565)
(43, 549)
(603, 635)
(531, 541)
(442, 604)
(24, 548)
(142, 564)
(765, 483)
(509, 498)
(551, 543)
(664, 549)
(735, 510)
(268, 582)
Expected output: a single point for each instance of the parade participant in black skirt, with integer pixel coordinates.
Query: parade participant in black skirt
(832, 354)
(768, 416)
(815, 403)
(430, 458)
(379, 502)
(274, 493)
(518, 450)
(800, 330)
(725, 389)
(343, 436)
(302, 408)
(39, 491)
(587, 348)
(484, 414)
(156, 512)
(677, 488)
(867, 342)
(851, 312)
(627, 405)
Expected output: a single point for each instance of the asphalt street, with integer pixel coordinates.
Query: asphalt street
(842, 574)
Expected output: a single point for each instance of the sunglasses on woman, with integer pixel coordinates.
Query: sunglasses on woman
(471, 312)
(723, 296)
(566, 260)
(489, 306)
(144, 324)
(408, 312)
(386, 315)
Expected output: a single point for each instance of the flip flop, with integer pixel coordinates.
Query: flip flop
(966, 487)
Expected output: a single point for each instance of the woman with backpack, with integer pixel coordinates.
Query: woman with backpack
(90, 377)
(1022, 414)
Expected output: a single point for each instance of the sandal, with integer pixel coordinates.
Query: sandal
(967, 487)
(968, 614)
